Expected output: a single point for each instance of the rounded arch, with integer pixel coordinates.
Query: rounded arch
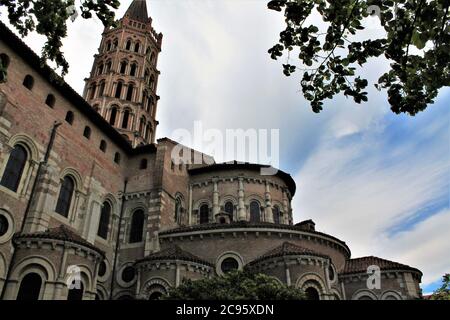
(74, 174)
(3, 266)
(336, 294)
(311, 279)
(201, 202)
(101, 293)
(109, 197)
(229, 255)
(28, 143)
(153, 285)
(38, 264)
(390, 295)
(364, 294)
(124, 295)
(11, 227)
(254, 197)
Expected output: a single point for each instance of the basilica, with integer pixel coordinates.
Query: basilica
(85, 187)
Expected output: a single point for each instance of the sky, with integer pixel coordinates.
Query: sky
(376, 180)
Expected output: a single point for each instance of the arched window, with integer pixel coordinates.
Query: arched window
(204, 214)
(115, 44)
(69, 117)
(128, 45)
(144, 164)
(141, 126)
(92, 91)
(126, 118)
(113, 116)
(4, 62)
(137, 226)
(105, 216)
(255, 211)
(130, 90)
(276, 214)
(147, 131)
(229, 208)
(50, 101)
(30, 287)
(87, 133)
(178, 209)
(119, 90)
(103, 145)
(14, 168)
(28, 82)
(152, 57)
(108, 46)
(108, 66)
(229, 264)
(152, 82)
(100, 69)
(312, 294)
(123, 67)
(133, 70)
(101, 91)
(149, 104)
(76, 294)
(65, 196)
(136, 47)
(117, 158)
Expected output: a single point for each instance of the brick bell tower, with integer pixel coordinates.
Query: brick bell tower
(123, 80)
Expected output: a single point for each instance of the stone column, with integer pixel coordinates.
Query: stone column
(190, 205)
(268, 208)
(242, 216)
(216, 207)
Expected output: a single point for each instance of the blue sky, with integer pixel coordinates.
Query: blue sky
(377, 180)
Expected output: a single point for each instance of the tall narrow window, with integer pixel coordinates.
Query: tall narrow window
(117, 158)
(76, 294)
(152, 57)
(136, 47)
(100, 69)
(69, 117)
(105, 216)
(255, 212)
(178, 209)
(4, 63)
(87, 133)
(108, 46)
(204, 214)
(50, 101)
(28, 82)
(119, 90)
(108, 66)
(92, 91)
(14, 168)
(126, 118)
(152, 82)
(276, 214)
(30, 287)
(128, 45)
(229, 208)
(65, 196)
(101, 90)
(130, 92)
(113, 116)
(103, 145)
(141, 126)
(123, 67)
(133, 70)
(137, 226)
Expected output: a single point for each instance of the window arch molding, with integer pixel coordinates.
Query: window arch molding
(311, 277)
(179, 211)
(390, 294)
(229, 254)
(75, 175)
(9, 232)
(131, 217)
(364, 293)
(148, 287)
(86, 278)
(198, 205)
(28, 143)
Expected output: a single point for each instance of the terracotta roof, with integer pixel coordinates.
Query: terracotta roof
(174, 252)
(359, 265)
(287, 249)
(62, 233)
(138, 11)
(236, 165)
(246, 224)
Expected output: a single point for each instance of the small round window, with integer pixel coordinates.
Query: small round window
(4, 225)
(128, 274)
(229, 264)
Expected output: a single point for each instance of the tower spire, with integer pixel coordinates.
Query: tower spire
(138, 11)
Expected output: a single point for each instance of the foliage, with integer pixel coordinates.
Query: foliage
(49, 18)
(416, 42)
(235, 285)
(443, 293)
